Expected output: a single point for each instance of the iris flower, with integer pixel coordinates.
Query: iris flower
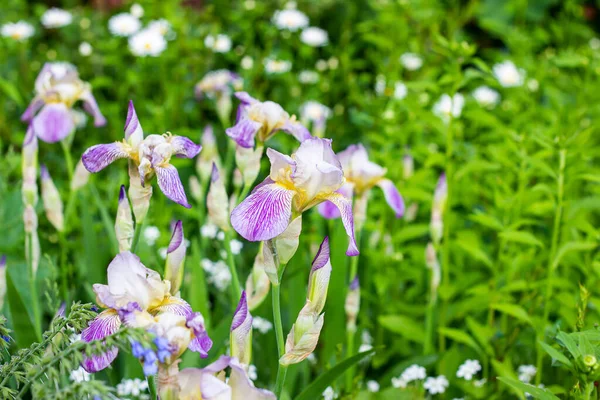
(57, 89)
(150, 155)
(361, 176)
(261, 120)
(296, 183)
(136, 296)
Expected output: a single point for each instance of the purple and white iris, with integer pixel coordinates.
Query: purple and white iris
(57, 89)
(151, 156)
(361, 176)
(258, 120)
(136, 296)
(296, 183)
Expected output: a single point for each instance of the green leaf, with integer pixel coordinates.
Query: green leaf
(22, 316)
(514, 311)
(11, 91)
(566, 340)
(459, 336)
(585, 346)
(556, 355)
(486, 220)
(482, 334)
(573, 247)
(536, 392)
(316, 388)
(404, 326)
(521, 237)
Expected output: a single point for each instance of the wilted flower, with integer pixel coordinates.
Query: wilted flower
(436, 385)
(314, 37)
(411, 61)
(219, 44)
(136, 296)
(18, 31)
(275, 66)
(124, 24)
(51, 198)
(217, 201)
(295, 184)
(486, 97)
(147, 42)
(508, 75)
(241, 333)
(85, 49)
(58, 88)
(175, 258)
(449, 107)
(290, 20)
(468, 369)
(124, 227)
(56, 18)
(261, 120)
(315, 113)
(149, 156)
(304, 335)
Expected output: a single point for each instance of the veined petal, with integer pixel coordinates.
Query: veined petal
(241, 332)
(90, 105)
(201, 342)
(105, 324)
(328, 210)
(53, 123)
(297, 130)
(133, 129)
(31, 109)
(184, 147)
(318, 279)
(392, 196)
(244, 131)
(264, 214)
(98, 157)
(245, 98)
(170, 184)
(173, 305)
(279, 164)
(344, 205)
(199, 384)
(175, 258)
(297, 349)
(242, 387)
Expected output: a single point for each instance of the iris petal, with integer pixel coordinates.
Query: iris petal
(98, 157)
(105, 324)
(53, 123)
(392, 196)
(170, 184)
(344, 205)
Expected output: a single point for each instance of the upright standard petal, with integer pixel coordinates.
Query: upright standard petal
(170, 184)
(105, 324)
(32, 109)
(264, 214)
(124, 227)
(90, 105)
(133, 129)
(241, 332)
(53, 123)
(392, 196)
(184, 147)
(344, 205)
(98, 157)
(244, 131)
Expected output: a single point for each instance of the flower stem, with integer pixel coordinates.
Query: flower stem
(33, 288)
(68, 159)
(281, 370)
(136, 235)
(152, 386)
(350, 334)
(553, 248)
(236, 291)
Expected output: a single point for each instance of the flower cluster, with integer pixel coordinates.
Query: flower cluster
(410, 374)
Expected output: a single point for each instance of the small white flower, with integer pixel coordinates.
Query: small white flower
(252, 372)
(526, 373)
(56, 18)
(533, 85)
(80, 375)
(314, 37)
(364, 347)
(308, 77)
(207, 265)
(209, 230)
(448, 106)
(321, 65)
(221, 235)
(399, 383)
(486, 97)
(290, 20)
(247, 62)
(75, 338)
(262, 325)
(594, 43)
(479, 383)
(136, 10)
(219, 44)
(329, 393)
(147, 43)
(162, 252)
(236, 246)
(380, 85)
(468, 369)
(18, 31)
(436, 385)
(312, 358)
(249, 4)
(314, 111)
(400, 90)
(413, 373)
(366, 337)
(411, 61)
(373, 386)
(124, 25)
(220, 275)
(85, 49)
(508, 75)
(151, 235)
(162, 26)
(333, 63)
(274, 66)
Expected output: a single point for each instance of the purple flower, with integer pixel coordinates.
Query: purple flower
(137, 350)
(58, 88)
(218, 83)
(201, 342)
(261, 120)
(361, 176)
(310, 176)
(151, 156)
(240, 338)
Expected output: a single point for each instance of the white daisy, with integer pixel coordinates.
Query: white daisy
(124, 25)
(147, 43)
(162, 26)
(151, 235)
(400, 90)
(508, 75)
(447, 106)
(411, 61)
(56, 18)
(218, 43)
(136, 10)
(18, 31)
(314, 37)
(486, 97)
(85, 49)
(290, 20)
(308, 77)
(274, 66)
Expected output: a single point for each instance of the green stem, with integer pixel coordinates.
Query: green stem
(64, 272)
(350, 335)
(281, 370)
(152, 386)
(553, 248)
(428, 348)
(236, 291)
(106, 221)
(33, 289)
(68, 159)
(229, 159)
(136, 235)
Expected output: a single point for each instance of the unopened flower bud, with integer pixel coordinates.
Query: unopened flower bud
(80, 177)
(29, 168)
(124, 228)
(318, 279)
(287, 242)
(138, 195)
(437, 209)
(224, 108)
(175, 258)
(217, 201)
(248, 162)
(238, 179)
(352, 305)
(258, 283)
(51, 198)
(209, 154)
(360, 211)
(434, 265)
(303, 337)
(590, 361)
(269, 265)
(408, 166)
(240, 338)
(196, 189)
